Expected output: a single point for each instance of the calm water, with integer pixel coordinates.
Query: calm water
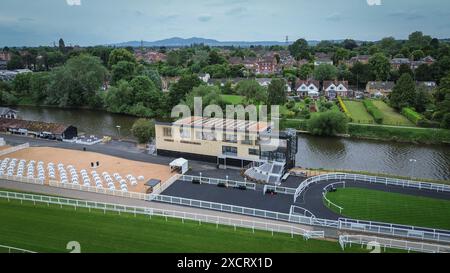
(87, 121)
(375, 156)
(314, 152)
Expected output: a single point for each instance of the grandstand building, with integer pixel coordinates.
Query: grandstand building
(229, 143)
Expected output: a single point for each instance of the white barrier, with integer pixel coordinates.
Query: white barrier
(383, 243)
(163, 186)
(22, 179)
(201, 218)
(324, 194)
(370, 179)
(217, 181)
(281, 190)
(342, 224)
(11, 249)
(14, 149)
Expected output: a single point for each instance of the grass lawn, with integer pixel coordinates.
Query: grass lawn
(358, 112)
(232, 99)
(391, 117)
(48, 229)
(364, 204)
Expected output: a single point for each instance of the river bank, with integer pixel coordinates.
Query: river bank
(384, 133)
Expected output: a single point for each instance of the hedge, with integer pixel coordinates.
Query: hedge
(344, 108)
(298, 124)
(374, 111)
(412, 115)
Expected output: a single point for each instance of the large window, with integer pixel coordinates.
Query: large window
(185, 133)
(227, 150)
(230, 138)
(253, 152)
(167, 132)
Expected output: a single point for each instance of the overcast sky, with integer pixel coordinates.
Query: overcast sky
(90, 22)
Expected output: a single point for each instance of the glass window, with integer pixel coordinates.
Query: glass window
(253, 152)
(167, 132)
(227, 150)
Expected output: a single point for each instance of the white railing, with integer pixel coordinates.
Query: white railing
(281, 190)
(163, 186)
(343, 224)
(70, 186)
(418, 233)
(217, 181)
(14, 149)
(384, 243)
(201, 218)
(22, 179)
(304, 212)
(327, 201)
(11, 249)
(371, 179)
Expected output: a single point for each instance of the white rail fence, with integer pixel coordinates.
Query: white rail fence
(296, 210)
(217, 181)
(417, 233)
(281, 190)
(22, 179)
(370, 179)
(163, 186)
(327, 201)
(383, 243)
(200, 218)
(342, 224)
(14, 149)
(11, 249)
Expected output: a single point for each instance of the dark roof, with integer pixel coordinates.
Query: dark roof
(35, 126)
(5, 110)
(153, 183)
(381, 85)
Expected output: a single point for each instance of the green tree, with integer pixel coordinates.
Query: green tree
(405, 69)
(325, 72)
(143, 130)
(77, 82)
(299, 49)
(210, 96)
(120, 98)
(380, 66)
(184, 86)
(120, 55)
(16, 62)
(39, 84)
(123, 70)
(146, 93)
(62, 46)
(424, 73)
(252, 91)
(442, 100)
(404, 93)
(329, 123)
(305, 72)
(422, 100)
(276, 93)
(21, 84)
(417, 55)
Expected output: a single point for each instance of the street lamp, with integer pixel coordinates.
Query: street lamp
(413, 162)
(118, 129)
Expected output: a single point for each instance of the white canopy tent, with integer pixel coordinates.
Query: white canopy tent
(180, 164)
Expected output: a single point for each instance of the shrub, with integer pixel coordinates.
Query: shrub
(344, 108)
(374, 111)
(412, 115)
(143, 130)
(425, 123)
(328, 124)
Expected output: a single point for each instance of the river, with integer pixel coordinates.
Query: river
(95, 122)
(405, 159)
(432, 161)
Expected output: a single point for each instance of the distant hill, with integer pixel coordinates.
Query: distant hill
(180, 42)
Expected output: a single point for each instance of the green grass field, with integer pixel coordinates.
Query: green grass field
(395, 208)
(48, 229)
(391, 117)
(358, 112)
(232, 99)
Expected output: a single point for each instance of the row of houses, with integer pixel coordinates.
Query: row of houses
(384, 89)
